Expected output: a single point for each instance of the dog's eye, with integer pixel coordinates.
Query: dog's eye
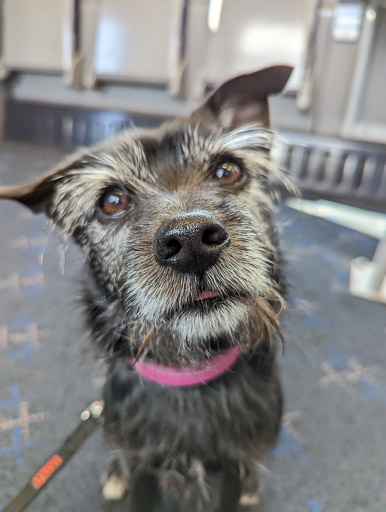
(114, 201)
(228, 173)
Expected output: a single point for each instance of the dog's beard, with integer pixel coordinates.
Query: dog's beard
(189, 329)
(211, 319)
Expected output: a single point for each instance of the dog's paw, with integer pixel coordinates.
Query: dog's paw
(114, 488)
(114, 481)
(249, 499)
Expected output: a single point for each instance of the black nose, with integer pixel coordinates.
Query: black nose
(190, 242)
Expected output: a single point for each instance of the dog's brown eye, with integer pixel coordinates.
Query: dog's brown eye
(114, 201)
(228, 173)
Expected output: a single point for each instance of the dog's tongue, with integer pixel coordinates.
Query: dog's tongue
(207, 294)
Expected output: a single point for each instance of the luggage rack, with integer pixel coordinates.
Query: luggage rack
(345, 171)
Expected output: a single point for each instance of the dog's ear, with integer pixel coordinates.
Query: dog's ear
(244, 99)
(37, 195)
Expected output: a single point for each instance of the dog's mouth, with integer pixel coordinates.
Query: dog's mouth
(207, 301)
(206, 294)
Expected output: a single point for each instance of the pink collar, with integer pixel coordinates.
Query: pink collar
(187, 375)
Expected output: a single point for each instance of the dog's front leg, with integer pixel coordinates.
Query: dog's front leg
(230, 490)
(145, 494)
(250, 488)
(115, 479)
(117, 482)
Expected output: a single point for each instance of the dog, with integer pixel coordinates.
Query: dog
(182, 291)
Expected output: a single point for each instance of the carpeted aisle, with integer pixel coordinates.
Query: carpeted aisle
(331, 456)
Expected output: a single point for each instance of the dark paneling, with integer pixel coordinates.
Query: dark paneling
(68, 127)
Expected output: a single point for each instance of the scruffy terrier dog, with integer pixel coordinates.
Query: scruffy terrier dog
(182, 293)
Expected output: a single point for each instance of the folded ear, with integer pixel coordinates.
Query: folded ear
(244, 99)
(38, 194)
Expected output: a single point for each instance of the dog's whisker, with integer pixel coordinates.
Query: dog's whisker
(144, 344)
(63, 249)
(50, 226)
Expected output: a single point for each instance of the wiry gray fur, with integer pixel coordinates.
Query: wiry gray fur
(183, 435)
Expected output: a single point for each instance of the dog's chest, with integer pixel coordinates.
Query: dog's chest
(236, 413)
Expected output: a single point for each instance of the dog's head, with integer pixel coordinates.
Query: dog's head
(175, 222)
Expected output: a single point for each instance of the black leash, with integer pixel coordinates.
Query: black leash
(89, 421)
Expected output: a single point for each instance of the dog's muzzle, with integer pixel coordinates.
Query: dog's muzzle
(190, 242)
